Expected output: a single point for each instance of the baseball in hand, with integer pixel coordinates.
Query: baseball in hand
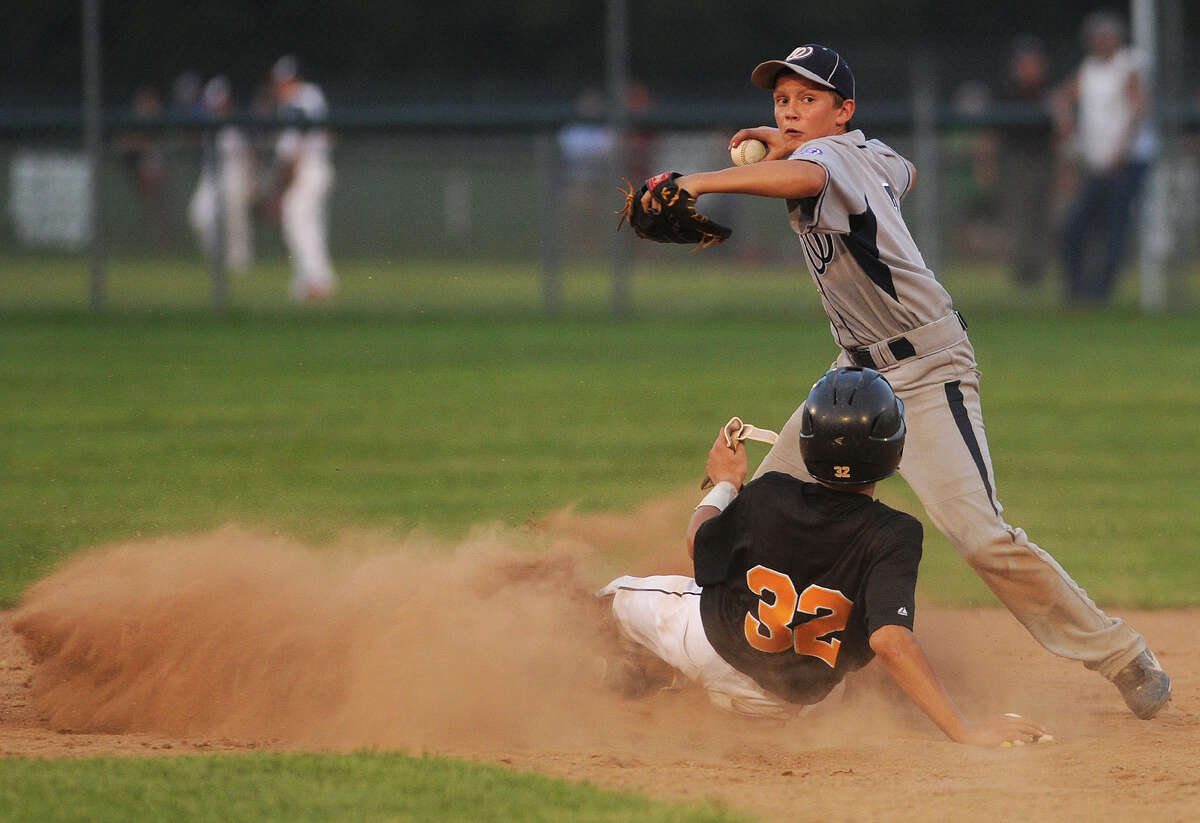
(748, 151)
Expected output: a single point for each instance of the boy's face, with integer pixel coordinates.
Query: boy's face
(805, 111)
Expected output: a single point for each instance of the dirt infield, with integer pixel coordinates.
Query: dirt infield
(238, 641)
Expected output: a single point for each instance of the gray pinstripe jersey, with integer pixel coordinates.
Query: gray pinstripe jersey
(873, 281)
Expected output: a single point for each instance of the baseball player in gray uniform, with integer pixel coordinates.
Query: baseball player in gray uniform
(887, 311)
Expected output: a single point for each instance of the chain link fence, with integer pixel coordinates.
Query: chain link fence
(498, 211)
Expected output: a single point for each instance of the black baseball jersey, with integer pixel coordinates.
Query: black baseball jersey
(796, 577)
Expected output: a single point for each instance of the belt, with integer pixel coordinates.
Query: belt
(932, 337)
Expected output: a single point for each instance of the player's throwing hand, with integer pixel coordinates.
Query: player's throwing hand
(778, 147)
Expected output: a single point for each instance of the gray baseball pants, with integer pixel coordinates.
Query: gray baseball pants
(947, 464)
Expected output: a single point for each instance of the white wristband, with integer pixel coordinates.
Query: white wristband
(721, 496)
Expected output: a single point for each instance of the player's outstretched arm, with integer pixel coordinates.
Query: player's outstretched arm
(906, 662)
(724, 465)
(790, 179)
(787, 179)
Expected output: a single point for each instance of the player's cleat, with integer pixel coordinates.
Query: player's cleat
(316, 293)
(1143, 684)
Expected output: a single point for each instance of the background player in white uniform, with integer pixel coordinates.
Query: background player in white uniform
(797, 584)
(888, 311)
(226, 184)
(304, 175)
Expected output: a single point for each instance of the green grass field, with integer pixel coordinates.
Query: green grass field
(162, 419)
(667, 284)
(273, 788)
(315, 424)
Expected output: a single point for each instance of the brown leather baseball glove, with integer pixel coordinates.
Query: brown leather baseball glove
(675, 221)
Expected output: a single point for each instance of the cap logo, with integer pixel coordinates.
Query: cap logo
(800, 53)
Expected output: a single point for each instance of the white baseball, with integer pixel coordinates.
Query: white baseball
(748, 151)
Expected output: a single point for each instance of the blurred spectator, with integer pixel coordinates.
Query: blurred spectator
(1026, 161)
(226, 186)
(186, 95)
(262, 112)
(303, 175)
(186, 104)
(587, 144)
(142, 153)
(1103, 110)
(640, 101)
(588, 148)
(973, 175)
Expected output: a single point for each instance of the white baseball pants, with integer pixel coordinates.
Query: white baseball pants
(305, 230)
(203, 210)
(662, 613)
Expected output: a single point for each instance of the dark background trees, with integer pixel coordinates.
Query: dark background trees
(375, 51)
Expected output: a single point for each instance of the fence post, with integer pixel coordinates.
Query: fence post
(552, 222)
(93, 136)
(617, 54)
(1175, 80)
(1154, 237)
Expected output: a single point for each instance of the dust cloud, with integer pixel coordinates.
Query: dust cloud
(490, 645)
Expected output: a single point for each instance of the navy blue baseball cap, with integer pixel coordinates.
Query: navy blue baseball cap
(819, 64)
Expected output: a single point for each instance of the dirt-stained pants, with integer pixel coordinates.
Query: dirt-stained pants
(947, 464)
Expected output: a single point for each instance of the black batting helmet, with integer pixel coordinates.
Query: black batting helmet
(852, 430)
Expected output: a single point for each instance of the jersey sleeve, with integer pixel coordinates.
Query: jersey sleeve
(827, 213)
(305, 108)
(899, 173)
(852, 183)
(890, 590)
(716, 541)
(911, 172)
(312, 101)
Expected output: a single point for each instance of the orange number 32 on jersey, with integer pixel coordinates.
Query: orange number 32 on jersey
(770, 632)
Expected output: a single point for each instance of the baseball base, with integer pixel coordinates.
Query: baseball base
(748, 151)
